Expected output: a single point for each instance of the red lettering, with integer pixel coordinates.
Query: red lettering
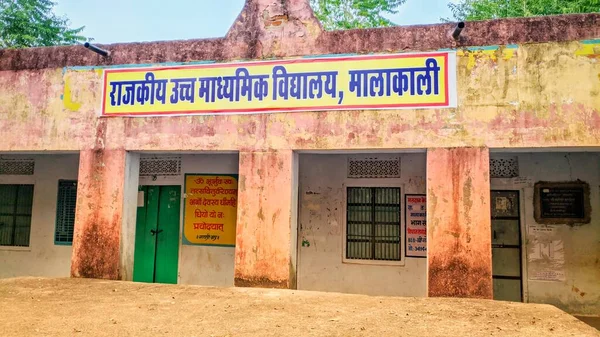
(416, 231)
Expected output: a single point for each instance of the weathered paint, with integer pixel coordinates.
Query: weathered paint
(544, 95)
(96, 240)
(590, 48)
(251, 36)
(322, 228)
(580, 292)
(201, 265)
(43, 258)
(70, 104)
(493, 53)
(459, 247)
(535, 86)
(262, 252)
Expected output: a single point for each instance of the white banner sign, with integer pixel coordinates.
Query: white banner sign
(546, 255)
(416, 225)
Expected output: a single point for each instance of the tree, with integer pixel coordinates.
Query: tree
(494, 9)
(31, 23)
(348, 14)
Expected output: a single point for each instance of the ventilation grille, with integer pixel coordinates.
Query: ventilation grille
(23, 167)
(504, 167)
(373, 167)
(160, 166)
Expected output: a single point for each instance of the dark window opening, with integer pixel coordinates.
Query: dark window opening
(65, 212)
(15, 214)
(373, 223)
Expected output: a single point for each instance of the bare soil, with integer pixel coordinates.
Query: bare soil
(83, 307)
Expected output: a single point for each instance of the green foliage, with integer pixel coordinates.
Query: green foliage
(494, 9)
(31, 23)
(348, 14)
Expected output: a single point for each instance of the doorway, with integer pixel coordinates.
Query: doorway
(157, 234)
(506, 246)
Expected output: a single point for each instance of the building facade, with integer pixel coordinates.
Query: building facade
(490, 194)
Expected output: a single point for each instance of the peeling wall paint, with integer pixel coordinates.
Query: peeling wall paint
(322, 219)
(97, 234)
(43, 258)
(535, 95)
(201, 265)
(459, 223)
(542, 90)
(262, 252)
(67, 97)
(580, 292)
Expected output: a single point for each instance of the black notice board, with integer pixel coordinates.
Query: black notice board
(562, 202)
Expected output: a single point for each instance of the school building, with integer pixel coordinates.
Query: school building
(405, 161)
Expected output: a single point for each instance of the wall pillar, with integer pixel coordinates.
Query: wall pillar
(263, 251)
(130, 204)
(99, 214)
(459, 223)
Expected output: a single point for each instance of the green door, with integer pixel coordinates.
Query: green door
(157, 235)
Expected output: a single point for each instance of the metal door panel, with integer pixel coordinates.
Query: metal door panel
(507, 290)
(506, 262)
(506, 246)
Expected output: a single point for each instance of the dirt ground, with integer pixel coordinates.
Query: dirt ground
(82, 307)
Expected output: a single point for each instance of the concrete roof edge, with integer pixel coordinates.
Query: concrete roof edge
(539, 29)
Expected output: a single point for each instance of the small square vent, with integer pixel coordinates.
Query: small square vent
(160, 166)
(507, 167)
(17, 166)
(374, 167)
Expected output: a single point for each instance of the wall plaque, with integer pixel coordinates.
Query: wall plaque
(562, 202)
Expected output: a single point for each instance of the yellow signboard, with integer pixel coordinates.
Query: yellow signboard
(396, 81)
(210, 209)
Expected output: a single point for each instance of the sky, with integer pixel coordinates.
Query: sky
(114, 21)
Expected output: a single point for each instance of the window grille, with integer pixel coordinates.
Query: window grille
(373, 223)
(13, 166)
(374, 167)
(65, 211)
(15, 214)
(160, 166)
(504, 167)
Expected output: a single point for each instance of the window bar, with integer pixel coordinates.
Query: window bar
(14, 232)
(383, 233)
(373, 197)
(367, 214)
(398, 216)
(387, 231)
(365, 194)
(392, 229)
(361, 245)
(347, 222)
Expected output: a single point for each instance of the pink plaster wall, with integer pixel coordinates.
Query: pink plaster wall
(99, 213)
(537, 95)
(262, 252)
(459, 223)
(545, 93)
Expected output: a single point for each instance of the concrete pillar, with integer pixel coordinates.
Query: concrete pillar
(265, 221)
(130, 203)
(99, 214)
(459, 223)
